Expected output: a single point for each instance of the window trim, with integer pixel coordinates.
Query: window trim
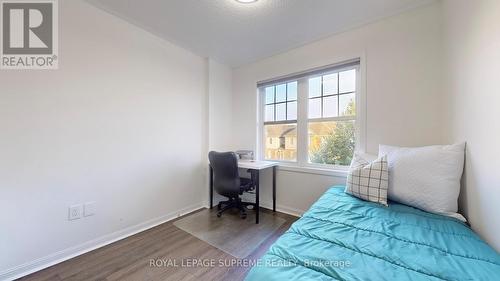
(303, 118)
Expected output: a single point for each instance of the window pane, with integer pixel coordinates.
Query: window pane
(269, 95)
(330, 106)
(291, 113)
(315, 87)
(280, 142)
(281, 93)
(292, 91)
(269, 113)
(331, 142)
(347, 81)
(315, 108)
(281, 112)
(348, 105)
(330, 84)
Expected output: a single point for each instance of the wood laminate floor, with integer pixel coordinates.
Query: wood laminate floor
(173, 250)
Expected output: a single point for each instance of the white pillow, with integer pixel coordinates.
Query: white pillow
(368, 181)
(426, 177)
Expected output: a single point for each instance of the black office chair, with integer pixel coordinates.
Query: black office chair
(227, 182)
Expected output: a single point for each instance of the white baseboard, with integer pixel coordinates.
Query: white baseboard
(283, 209)
(289, 210)
(280, 208)
(66, 254)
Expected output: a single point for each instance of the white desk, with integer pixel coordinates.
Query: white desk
(254, 167)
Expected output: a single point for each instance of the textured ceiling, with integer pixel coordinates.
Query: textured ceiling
(237, 34)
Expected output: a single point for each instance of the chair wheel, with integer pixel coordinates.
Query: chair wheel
(243, 216)
(219, 215)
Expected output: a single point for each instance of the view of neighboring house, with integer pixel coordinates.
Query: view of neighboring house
(281, 140)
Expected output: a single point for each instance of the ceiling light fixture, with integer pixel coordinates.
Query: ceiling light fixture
(246, 1)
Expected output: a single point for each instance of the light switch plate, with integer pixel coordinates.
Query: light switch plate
(75, 212)
(89, 209)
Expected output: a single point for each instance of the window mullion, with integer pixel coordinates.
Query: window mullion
(302, 131)
(286, 101)
(322, 97)
(274, 88)
(338, 94)
(261, 143)
(334, 119)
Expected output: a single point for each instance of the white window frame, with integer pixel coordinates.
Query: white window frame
(302, 162)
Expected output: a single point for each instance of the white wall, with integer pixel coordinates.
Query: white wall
(219, 114)
(472, 52)
(219, 106)
(403, 81)
(104, 127)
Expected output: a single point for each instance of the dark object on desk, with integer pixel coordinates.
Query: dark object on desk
(227, 182)
(245, 154)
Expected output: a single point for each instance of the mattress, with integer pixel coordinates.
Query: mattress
(343, 238)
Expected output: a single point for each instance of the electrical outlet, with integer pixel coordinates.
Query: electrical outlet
(75, 212)
(89, 209)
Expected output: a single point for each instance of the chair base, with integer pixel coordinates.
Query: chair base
(233, 203)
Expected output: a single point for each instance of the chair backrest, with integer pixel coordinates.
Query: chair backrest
(225, 170)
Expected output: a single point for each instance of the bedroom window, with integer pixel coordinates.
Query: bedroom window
(280, 121)
(312, 118)
(332, 118)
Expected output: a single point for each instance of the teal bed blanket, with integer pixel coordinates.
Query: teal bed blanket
(344, 238)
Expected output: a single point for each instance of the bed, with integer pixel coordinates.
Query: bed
(343, 238)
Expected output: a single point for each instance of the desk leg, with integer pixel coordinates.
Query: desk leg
(211, 186)
(256, 196)
(274, 188)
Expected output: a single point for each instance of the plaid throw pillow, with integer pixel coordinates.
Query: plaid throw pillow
(368, 181)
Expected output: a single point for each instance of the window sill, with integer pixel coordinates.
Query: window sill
(313, 170)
